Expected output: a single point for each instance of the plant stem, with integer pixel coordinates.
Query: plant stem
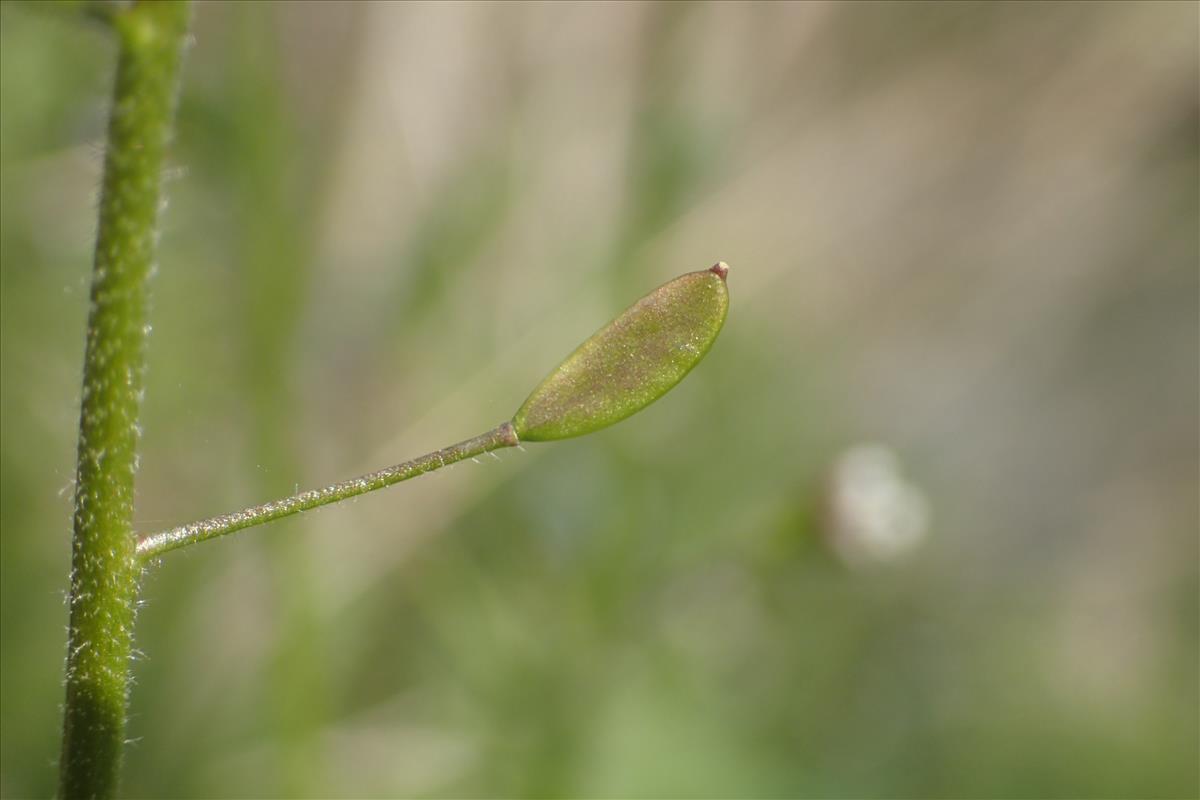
(156, 544)
(104, 566)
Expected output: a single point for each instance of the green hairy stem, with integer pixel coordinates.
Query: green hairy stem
(104, 567)
(159, 543)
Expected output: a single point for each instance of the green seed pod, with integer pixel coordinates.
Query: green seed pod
(630, 362)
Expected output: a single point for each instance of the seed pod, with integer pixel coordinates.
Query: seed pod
(630, 362)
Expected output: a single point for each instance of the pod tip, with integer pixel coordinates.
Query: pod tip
(720, 269)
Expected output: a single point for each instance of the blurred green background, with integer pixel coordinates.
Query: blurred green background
(923, 524)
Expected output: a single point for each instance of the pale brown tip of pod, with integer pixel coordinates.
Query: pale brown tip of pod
(720, 269)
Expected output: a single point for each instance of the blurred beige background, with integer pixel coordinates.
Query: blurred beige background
(924, 523)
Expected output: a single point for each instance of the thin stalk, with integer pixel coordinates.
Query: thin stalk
(156, 544)
(104, 565)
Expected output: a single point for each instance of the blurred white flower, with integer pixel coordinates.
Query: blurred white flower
(874, 514)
